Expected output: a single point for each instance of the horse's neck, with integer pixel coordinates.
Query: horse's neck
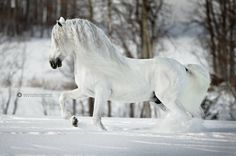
(77, 62)
(98, 63)
(80, 62)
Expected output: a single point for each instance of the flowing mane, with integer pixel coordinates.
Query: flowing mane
(91, 41)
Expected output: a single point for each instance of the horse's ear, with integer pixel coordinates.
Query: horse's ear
(61, 21)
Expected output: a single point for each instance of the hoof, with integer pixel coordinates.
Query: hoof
(74, 121)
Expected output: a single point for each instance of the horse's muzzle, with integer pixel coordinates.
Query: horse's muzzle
(55, 63)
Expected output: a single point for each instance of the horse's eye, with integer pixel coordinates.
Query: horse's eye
(59, 24)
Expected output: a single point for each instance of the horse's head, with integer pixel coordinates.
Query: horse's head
(59, 44)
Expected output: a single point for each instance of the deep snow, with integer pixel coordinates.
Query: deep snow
(125, 136)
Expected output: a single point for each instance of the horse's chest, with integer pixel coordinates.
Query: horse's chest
(87, 80)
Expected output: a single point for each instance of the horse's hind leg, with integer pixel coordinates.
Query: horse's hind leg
(170, 100)
(175, 106)
(158, 103)
(73, 94)
(177, 109)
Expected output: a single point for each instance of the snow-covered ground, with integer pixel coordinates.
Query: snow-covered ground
(125, 136)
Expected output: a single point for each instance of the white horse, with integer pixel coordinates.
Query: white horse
(105, 74)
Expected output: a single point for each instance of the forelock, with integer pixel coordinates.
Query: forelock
(57, 31)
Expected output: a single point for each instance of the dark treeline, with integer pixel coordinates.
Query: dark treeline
(218, 18)
(35, 17)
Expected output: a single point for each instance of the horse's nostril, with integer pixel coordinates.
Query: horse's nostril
(58, 62)
(53, 64)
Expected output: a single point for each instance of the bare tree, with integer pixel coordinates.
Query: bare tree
(21, 77)
(91, 16)
(44, 105)
(218, 18)
(109, 25)
(10, 69)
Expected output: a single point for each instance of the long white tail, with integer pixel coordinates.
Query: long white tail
(199, 81)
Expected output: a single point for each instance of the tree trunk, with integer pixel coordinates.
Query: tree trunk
(90, 10)
(131, 110)
(15, 106)
(90, 100)
(64, 4)
(109, 23)
(109, 9)
(5, 111)
(20, 79)
(44, 105)
(146, 49)
(109, 108)
(74, 107)
(146, 110)
(145, 35)
(91, 105)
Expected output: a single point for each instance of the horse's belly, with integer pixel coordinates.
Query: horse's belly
(131, 92)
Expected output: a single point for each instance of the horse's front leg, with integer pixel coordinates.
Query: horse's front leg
(101, 97)
(68, 95)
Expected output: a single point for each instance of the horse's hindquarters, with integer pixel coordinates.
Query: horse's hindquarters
(174, 85)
